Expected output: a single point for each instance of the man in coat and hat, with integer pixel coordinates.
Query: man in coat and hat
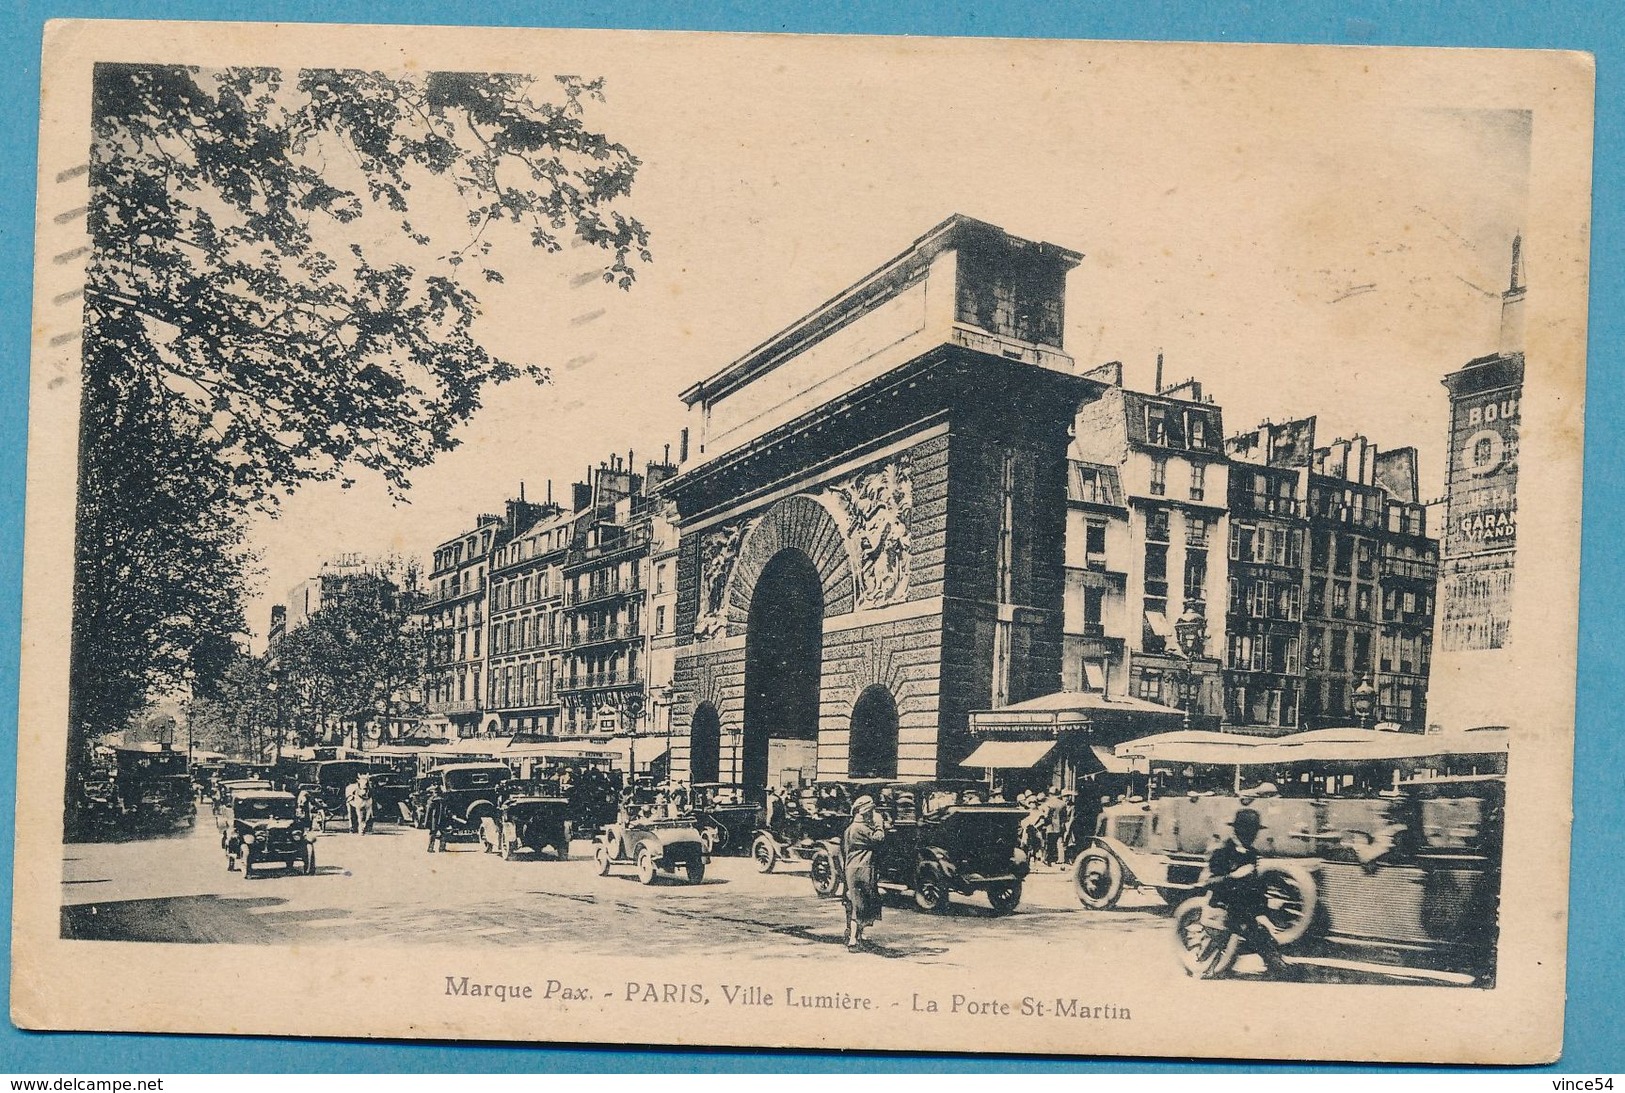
(863, 836)
(1236, 886)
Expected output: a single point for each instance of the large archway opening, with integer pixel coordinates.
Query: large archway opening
(705, 745)
(873, 743)
(784, 642)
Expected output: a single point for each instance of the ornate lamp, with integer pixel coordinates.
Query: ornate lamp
(1365, 700)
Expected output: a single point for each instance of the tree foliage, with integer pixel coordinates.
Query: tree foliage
(283, 288)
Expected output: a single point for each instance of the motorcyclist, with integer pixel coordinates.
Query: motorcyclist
(1235, 886)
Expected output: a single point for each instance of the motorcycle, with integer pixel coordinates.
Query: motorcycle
(1210, 941)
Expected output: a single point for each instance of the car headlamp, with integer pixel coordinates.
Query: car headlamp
(1018, 856)
(248, 840)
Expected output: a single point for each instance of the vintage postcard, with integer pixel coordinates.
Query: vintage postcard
(823, 542)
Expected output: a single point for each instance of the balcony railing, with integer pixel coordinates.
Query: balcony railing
(452, 592)
(594, 635)
(593, 681)
(605, 590)
(453, 706)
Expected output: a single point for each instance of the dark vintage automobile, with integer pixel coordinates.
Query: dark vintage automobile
(319, 786)
(225, 792)
(943, 840)
(265, 827)
(392, 783)
(464, 800)
(530, 823)
(137, 790)
(723, 817)
(798, 824)
(653, 846)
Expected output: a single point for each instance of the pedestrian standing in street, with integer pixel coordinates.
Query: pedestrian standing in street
(866, 832)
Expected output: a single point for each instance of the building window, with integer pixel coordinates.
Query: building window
(1156, 525)
(1094, 675)
(1198, 481)
(1156, 424)
(1340, 648)
(1094, 544)
(660, 619)
(1196, 575)
(1159, 476)
(1150, 688)
(1196, 530)
(1094, 606)
(1362, 604)
(1156, 569)
(1241, 542)
(1340, 599)
(1362, 651)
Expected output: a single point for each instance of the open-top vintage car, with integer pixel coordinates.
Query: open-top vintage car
(943, 839)
(265, 827)
(798, 825)
(653, 847)
(1381, 849)
(530, 823)
(464, 800)
(724, 818)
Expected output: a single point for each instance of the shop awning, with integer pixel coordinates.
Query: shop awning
(1009, 754)
(1115, 764)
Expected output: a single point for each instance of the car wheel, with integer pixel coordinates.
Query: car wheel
(1098, 880)
(1291, 903)
(1204, 953)
(600, 857)
(696, 872)
(826, 879)
(765, 853)
(646, 866)
(931, 890)
(1005, 897)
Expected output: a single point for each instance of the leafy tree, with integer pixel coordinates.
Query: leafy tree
(266, 306)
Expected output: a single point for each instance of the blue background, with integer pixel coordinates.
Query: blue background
(1596, 1007)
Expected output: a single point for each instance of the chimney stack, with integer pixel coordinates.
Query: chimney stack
(1512, 304)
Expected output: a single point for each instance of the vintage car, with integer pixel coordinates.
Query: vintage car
(798, 824)
(464, 800)
(529, 823)
(943, 840)
(392, 784)
(137, 790)
(653, 847)
(226, 791)
(1404, 878)
(265, 827)
(723, 817)
(319, 786)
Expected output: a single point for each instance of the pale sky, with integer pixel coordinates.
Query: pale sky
(1301, 241)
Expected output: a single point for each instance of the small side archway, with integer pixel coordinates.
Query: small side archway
(872, 746)
(705, 744)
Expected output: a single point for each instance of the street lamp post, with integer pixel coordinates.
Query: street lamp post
(272, 688)
(1365, 701)
(1191, 633)
(631, 710)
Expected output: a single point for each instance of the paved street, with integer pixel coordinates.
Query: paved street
(384, 888)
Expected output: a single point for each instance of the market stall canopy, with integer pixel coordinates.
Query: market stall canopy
(1195, 746)
(1115, 764)
(1350, 744)
(1009, 754)
(1070, 710)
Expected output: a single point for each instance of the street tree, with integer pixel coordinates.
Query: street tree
(283, 288)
